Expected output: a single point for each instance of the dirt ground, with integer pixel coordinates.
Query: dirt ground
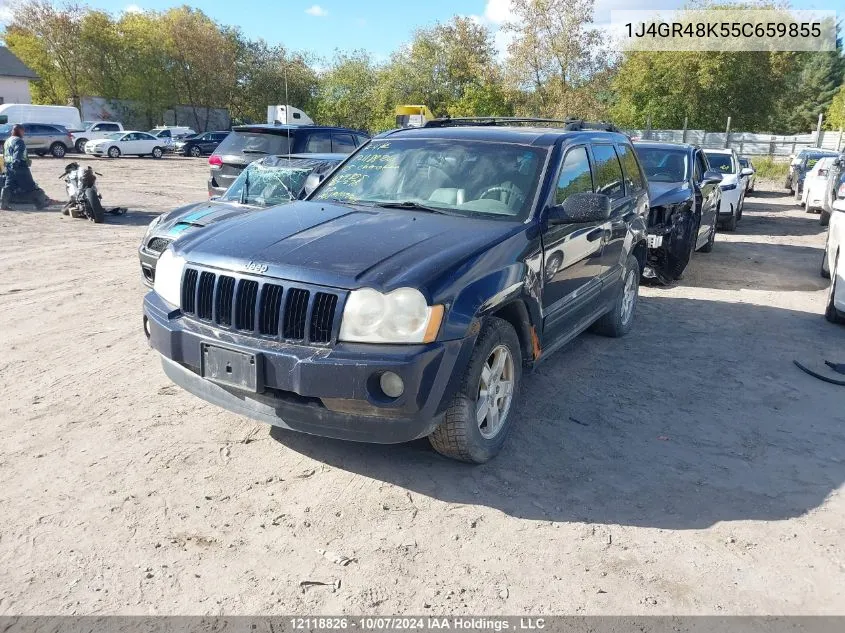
(688, 468)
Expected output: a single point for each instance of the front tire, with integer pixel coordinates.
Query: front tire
(479, 417)
(618, 321)
(114, 152)
(93, 200)
(80, 145)
(831, 313)
(195, 151)
(730, 225)
(58, 150)
(824, 218)
(157, 152)
(711, 239)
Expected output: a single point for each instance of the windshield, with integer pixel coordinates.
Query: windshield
(664, 165)
(721, 162)
(265, 185)
(453, 176)
(255, 143)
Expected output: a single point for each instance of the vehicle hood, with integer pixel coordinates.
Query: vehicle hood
(345, 246)
(101, 141)
(174, 223)
(665, 193)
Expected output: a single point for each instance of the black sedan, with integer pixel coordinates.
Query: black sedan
(200, 144)
(684, 196)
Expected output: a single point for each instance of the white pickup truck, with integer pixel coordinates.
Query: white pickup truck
(93, 130)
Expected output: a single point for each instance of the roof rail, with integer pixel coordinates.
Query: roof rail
(569, 124)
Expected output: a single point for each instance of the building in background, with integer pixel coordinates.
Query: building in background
(14, 78)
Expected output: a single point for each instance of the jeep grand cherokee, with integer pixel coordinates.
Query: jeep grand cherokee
(406, 295)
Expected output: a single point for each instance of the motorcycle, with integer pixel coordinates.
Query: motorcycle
(83, 197)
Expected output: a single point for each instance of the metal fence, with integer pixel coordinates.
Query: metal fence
(747, 143)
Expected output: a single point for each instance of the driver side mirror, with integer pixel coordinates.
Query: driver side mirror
(746, 172)
(581, 208)
(711, 177)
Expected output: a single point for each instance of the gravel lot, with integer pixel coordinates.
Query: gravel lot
(688, 468)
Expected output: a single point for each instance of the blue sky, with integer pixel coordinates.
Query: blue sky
(379, 26)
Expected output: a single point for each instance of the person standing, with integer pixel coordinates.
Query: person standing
(18, 176)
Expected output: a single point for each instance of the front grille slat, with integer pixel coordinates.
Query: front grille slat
(189, 291)
(322, 318)
(295, 313)
(268, 309)
(245, 305)
(223, 303)
(205, 295)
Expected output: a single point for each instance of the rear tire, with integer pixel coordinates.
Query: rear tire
(831, 313)
(94, 204)
(618, 321)
(485, 388)
(58, 150)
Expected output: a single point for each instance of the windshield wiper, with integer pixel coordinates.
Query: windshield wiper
(253, 151)
(412, 206)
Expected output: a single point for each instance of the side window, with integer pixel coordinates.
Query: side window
(574, 175)
(164, 134)
(319, 143)
(360, 139)
(342, 143)
(608, 172)
(101, 127)
(110, 127)
(633, 176)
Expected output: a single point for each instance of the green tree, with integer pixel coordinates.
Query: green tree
(346, 95)
(836, 111)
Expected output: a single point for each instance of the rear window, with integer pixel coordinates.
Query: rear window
(255, 143)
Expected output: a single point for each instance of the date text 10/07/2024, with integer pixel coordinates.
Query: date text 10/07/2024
(418, 624)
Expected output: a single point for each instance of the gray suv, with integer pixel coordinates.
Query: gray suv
(42, 139)
(247, 143)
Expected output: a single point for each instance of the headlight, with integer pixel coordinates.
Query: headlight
(401, 316)
(168, 279)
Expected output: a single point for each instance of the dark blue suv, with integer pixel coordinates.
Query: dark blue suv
(406, 295)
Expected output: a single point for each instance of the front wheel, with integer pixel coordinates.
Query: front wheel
(479, 417)
(195, 151)
(94, 205)
(824, 218)
(711, 239)
(80, 145)
(617, 322)
(114, 152)
(157, 152)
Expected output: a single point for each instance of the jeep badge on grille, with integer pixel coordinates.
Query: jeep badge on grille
(256, 267)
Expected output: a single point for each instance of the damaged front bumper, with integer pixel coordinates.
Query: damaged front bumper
(669, 247)
(327, 391)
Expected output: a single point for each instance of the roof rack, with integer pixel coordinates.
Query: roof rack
(568, 124)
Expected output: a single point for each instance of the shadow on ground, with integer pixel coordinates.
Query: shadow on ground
(648, 430)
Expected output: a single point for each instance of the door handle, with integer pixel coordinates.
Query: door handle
(595, 234)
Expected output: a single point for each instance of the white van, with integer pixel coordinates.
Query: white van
(68, 116)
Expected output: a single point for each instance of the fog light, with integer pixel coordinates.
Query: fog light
(391, 384)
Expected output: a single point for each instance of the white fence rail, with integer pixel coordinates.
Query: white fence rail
(747, 143)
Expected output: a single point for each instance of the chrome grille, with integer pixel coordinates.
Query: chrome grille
(292, 312)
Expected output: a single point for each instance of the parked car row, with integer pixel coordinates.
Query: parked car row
(833, 261)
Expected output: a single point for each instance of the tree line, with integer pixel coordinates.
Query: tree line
(558, 64)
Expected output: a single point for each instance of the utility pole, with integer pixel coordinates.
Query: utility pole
(728, 134)
(684, 135)
(819, 131)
